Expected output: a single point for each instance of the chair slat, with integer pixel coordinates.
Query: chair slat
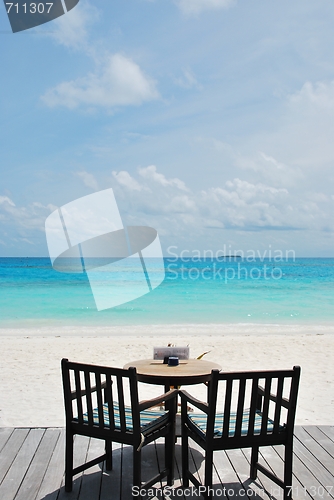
(240, 407)
(135, 399)
(121, 403)
(278, 406)
(266, 402)
(227, 407)
(99, 399)
(89, 398)
(78, 395)
(109, 401)
(253, 406)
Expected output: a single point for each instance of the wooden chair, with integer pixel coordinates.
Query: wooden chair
(95, 406)
(252, 416)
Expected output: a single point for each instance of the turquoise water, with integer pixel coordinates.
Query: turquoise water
(205, 291)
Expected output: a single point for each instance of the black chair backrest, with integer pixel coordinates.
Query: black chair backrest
(273, 394)
(88, 387)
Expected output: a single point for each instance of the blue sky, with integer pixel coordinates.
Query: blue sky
(212, 120)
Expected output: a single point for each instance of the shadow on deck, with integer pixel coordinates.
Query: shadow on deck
(32, 468)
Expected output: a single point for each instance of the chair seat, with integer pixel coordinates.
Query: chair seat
(149, 419)
(200, 419)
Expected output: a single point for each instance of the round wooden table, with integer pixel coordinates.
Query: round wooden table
(188, 372)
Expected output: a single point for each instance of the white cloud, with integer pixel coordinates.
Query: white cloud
(320, 94)
(264, 165)
(182, 204)
(244, 204)
(152, 174)
(304, 136)
(71, 30)
(119, 82)
(276, 171)
(5, 199)
(116, 81)
(191, 7)
(88, 179)
(124, 179)
(24, 219)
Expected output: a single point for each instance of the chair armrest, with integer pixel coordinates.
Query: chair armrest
(273, 397)
(83, 392)
(185, 396)
(143, 405)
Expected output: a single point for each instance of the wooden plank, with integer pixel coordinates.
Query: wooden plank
(153, 461)
(177, 485)
(197, 466)
(149, 467)
(127, 472)
(81, 444)
(10, 450)
(321, 439)
(92, 477)
(262, 481)
(157, 461)
(19, 466)
(228, 479)
(219, 459)
(305, 477)
(5, 433)
(316, 449)
(111, 480)
(178, 465)
(328, 430)
(274, 457)
(54, 475)
(36, 471)
(196, 460)
(241, 467)
(269, 458)
(315, 467)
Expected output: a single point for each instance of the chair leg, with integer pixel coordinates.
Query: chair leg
(108, 448)
(185, 458)
(288, 472)
(254, 460)
(208, 473)
(136, 467)
(169, 457)
(68, 461)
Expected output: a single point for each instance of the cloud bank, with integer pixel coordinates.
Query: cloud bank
(170, 205)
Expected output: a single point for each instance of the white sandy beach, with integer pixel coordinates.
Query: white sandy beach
(31, 390)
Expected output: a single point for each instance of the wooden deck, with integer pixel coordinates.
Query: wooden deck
(32, 466)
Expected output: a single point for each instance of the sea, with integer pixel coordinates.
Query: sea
(194, 291)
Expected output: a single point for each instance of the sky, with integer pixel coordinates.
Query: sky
(212, 120)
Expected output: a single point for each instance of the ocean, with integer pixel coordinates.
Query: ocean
(196, 291)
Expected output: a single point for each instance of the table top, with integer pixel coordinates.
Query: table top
(188, 372)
